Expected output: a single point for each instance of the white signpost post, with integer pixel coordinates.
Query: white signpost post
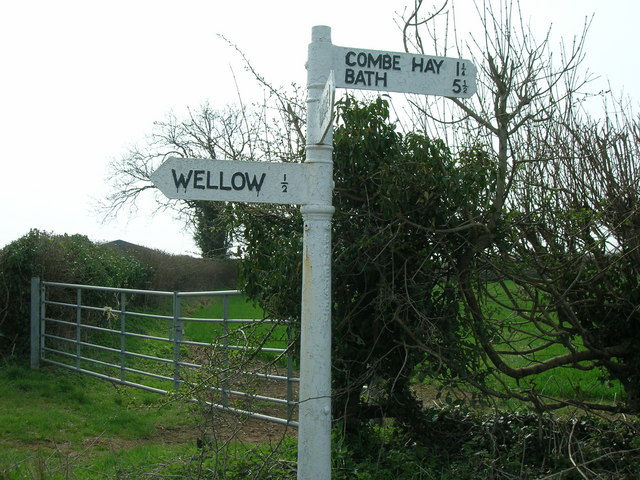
(361, 69)
(311, 185)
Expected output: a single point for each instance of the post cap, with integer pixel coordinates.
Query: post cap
(321, 33)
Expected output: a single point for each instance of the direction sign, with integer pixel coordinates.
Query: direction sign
(232, 181)
(325, 107)
(403, 72)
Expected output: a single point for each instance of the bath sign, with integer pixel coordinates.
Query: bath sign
(403, 72)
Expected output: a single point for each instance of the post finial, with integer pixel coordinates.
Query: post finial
(321, 33)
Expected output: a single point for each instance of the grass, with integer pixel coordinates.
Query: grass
(568, 382)
(239, 307)
(56, 424)
(75, 426)
(59, 425)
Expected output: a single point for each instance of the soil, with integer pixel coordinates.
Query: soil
(223, 427)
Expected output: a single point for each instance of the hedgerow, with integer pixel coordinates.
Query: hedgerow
(57, 258)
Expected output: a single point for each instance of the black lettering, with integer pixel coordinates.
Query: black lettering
(235, 184)
(255, 183)
(381, 79)
(222, 185)
(210, 186)
(430, 67)
(375, 62)
(181, 181)
(198, 177)
(349, 76)
(360, 78)
(381, 61)
(433, 66)
(347, 59)
(366, 78)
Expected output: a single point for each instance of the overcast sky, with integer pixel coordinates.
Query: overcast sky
(82, 80)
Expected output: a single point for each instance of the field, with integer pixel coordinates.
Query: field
(56, 424)
(59, 425)
(239, 308)
(589, 385)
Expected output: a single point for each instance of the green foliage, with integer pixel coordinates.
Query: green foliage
(393, 288)
(394, 292)
(60, 258)
(469, 445)
(182, 272)
(271, 252)
(578, 265)
(462, 446)
(605, 294)
(57, 424)
(246, 461)
(209, 233)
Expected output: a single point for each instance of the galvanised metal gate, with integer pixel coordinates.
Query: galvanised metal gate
(147, 339)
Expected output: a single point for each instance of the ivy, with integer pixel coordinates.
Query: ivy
(393, 284)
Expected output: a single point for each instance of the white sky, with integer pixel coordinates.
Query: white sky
(82, 80)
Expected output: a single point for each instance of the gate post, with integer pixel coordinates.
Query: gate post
(226, 370)
(123, 336)
(178, 331)
(35, 323)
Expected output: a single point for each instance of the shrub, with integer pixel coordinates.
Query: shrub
(181, 272)
(57, 258)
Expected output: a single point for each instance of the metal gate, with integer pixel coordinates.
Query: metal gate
(150, 340)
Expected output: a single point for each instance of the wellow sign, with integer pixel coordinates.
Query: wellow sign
(232, 181)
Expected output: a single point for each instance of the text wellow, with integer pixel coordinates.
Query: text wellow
(217, 180)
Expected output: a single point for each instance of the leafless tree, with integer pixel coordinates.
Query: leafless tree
(270, 130)
(548, 266)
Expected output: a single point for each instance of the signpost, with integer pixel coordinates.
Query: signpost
(325, 108)
(311, 186)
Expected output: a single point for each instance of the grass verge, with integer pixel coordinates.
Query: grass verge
(58, 424)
